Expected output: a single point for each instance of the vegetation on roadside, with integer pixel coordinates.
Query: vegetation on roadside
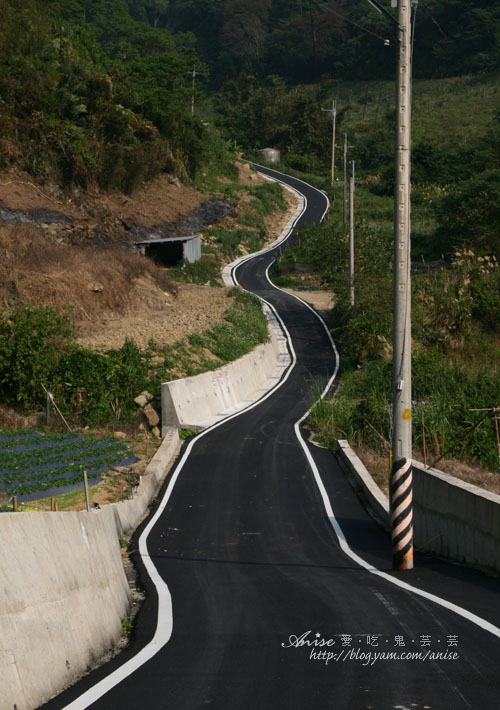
(94, 95)
(455, 257)
(96, 388)
(456, 348)
(246, 234)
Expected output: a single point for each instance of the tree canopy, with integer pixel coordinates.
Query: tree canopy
(303, 39)
(89, 93)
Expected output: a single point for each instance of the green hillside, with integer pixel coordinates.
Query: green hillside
(90, 95)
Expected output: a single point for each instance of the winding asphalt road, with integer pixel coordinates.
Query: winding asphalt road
(270, 587)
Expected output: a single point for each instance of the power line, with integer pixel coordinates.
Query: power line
(385, 12)
(385, 40)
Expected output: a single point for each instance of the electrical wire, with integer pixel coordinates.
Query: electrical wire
(385, 40)
(414, 5)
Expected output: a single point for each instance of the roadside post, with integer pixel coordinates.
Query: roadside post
(86, 486)
(401, 495)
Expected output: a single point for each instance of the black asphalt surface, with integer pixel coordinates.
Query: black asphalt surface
(268, 611)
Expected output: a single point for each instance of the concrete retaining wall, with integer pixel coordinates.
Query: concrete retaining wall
(63, 590)
(455, 519)
(452, 519)
(198, 402)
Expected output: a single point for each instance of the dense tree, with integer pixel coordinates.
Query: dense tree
(297, 39)
(90, 94)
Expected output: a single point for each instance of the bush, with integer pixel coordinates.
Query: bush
(100, 387)
(37, 346)
(32, 341)
(469, 215)
(443, 393)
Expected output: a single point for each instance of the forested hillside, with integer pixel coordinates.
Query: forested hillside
(300, 40)
(101, 91)
(88, 94)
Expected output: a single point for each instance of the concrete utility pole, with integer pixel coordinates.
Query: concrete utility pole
(333, 111)
(401, 479)
(345, 179)
(352, 187)
(193, 74)
(346, 148)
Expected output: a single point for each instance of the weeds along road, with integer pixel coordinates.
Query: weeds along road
(270, 587)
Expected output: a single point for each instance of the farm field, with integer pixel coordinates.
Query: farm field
(35, 465)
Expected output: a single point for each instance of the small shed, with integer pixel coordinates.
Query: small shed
(270, 155)
(171, 251)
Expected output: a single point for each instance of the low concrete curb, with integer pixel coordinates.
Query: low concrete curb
(200, 401)
(128, 514)
(451, 519)
(64, 591)
(374, 499)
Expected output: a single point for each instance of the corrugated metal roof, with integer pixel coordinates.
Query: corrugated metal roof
(161, 240)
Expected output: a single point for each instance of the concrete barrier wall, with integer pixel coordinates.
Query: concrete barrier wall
(62, 596)
(198, 402)
(63, 590)
(128, 514)
(455, 519)
(452, 519)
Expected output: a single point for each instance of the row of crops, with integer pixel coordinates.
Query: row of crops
(34, 464)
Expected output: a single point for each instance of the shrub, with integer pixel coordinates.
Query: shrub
(32, 341)
(100, 387)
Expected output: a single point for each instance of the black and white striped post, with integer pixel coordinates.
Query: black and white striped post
(401, 477)
(401, 473)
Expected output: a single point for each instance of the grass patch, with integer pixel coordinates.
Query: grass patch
(243, 328)
(206, 270)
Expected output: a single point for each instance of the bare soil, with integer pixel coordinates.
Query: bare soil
(378, 466)
(69, 252)
(165, 199)
(113, 294)
(321, 301)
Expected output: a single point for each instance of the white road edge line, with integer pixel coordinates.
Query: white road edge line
(344, 545)
(164, 625)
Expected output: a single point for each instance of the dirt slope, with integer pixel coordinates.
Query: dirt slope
(70, 251)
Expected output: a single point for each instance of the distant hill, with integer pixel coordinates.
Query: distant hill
(300, 40)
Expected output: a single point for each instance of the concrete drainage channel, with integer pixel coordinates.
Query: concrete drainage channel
(64, 592)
